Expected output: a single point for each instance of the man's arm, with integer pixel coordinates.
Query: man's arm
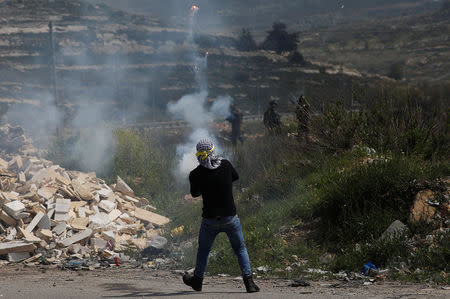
(195, 189)
(234, 174)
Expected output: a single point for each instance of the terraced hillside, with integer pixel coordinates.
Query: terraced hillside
(130, 67)
(419, 43)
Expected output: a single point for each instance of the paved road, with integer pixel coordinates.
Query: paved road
(19, 282)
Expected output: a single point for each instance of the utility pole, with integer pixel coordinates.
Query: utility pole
(53, 64)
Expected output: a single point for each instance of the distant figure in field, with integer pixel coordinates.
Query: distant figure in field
(272, 120)
(303, 115)
(235, 119)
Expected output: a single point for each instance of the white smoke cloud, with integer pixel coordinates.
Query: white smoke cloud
(192, 108)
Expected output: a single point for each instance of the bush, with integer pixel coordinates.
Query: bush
(137, 161)
(297, 58)
(396, 71)
(245, 41)
(279, 40)
(360, 198)
(397, 120)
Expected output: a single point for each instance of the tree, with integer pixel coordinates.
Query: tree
(297, 58)
(279, 40)
(396, 71)
(245, 41)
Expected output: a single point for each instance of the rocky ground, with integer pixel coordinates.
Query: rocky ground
(43, 282)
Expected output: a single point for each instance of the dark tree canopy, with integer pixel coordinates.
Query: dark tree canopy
(279, 40)
(245, 41)
(396, 71)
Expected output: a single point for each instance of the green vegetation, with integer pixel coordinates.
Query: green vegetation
(322, 204)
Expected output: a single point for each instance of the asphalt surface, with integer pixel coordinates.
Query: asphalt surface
(26, 282)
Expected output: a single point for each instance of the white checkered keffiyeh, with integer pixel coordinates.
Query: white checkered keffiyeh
(206, 155)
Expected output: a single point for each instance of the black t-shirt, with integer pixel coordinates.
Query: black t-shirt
(215, 186)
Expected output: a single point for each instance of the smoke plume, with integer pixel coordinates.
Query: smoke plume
(193, 109)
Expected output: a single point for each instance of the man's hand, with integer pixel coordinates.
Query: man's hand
(189, 198)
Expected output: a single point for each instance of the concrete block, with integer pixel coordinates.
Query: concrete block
(98, 244)
(16, 247)
(3, 163)
(8, 220)
(47, 192)
(76, 238)
(21, 177)
(114, 214)
(81, 212)
(122, 187)
(14, 208)
(151, 217)
(62, 205)
(60, 228)
(44, 223)
(34, 222)
(109, 235)
(29, 237)
(107, 205)
(80, 223)
(15, 257)
(45, 233)
(98, 220)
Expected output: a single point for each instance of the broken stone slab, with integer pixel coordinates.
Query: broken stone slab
(61, 216)
(15, 257)
(83, 192)
(75, 248)
(7, 219)
(151, 217)
(105, 193)
(81, 212)
(21, 177)
(50, 213)
(45, 233)
(394, 230)
(60, 228)
(107, 205)
(114, 214)
(80, 223)
(34, 222)
(98, 220)
(12, 233)
(16, 162)
(76, 238)
(98, 243)
(47, 192)
(3, 164)
(29, 237)
(62, 205)
(33, 258)
(44, 175)
(109, 235)
(123, 188)
(44, 223)
(9, 247)
(14, 208)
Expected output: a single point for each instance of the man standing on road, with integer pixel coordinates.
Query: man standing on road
(272, 120)
(213, 179)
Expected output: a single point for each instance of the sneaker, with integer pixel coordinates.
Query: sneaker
(193, 281)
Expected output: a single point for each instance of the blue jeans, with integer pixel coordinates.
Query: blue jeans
(209, 229)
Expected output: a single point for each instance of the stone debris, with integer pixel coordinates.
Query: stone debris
(48, 212)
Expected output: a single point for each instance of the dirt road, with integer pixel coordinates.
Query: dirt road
(20, 282)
